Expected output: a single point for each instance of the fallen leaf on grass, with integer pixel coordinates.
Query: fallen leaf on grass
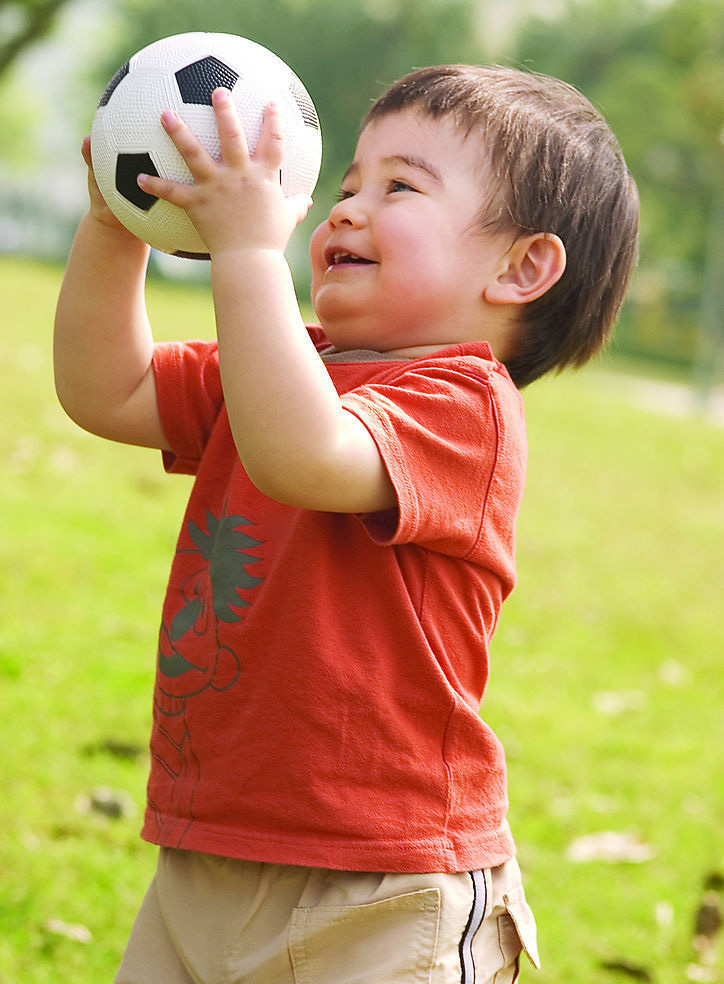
(616, 702)
(632, 970)
(63, 460)
(707, 920)
(703, 975)
(77, 933)
(104, 800)
(610, 846)
(116, 748)
(673, 673)
(664, 913)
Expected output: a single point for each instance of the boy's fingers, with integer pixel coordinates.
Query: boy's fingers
(301, 204)
(197, 159)
(270, 148)
(234, 148)
(171, 191)
(85, 150)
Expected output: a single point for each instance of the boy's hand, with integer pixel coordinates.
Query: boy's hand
(235, 203)
(98, 207)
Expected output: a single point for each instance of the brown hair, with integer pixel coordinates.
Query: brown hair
(558, 169)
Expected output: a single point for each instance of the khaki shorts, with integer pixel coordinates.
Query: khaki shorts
(211, 920)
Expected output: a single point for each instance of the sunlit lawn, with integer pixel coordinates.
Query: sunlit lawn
(607, 671)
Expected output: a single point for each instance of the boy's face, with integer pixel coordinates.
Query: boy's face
(401, 261)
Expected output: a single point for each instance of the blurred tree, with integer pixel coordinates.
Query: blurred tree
(656, 71)
(21, 23)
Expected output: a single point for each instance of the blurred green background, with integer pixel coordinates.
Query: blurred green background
(655, 68)
(607, 687)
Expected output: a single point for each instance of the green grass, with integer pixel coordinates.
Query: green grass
(619, 593)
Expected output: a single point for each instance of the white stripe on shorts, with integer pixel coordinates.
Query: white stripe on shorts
(475, 921)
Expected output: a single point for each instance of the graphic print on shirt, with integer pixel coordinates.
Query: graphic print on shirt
(191, 656)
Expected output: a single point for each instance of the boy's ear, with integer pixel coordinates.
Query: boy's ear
(530, 267)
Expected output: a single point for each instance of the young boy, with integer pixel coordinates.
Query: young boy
(329, 805)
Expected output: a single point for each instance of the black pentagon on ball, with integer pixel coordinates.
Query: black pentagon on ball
(198, 80)
(128, 167)
(111, 87)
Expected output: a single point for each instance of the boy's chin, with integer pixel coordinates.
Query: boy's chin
(345, 341)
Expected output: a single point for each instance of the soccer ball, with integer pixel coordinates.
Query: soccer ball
(180, 73)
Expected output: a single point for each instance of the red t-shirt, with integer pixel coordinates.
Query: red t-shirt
(320, 674)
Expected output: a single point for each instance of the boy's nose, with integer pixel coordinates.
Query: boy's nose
(348, 211)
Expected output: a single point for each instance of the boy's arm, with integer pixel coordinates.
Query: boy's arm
(297, 442)
(102, 342)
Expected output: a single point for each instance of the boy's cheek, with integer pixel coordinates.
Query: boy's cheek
(316, 256)
(316, 246)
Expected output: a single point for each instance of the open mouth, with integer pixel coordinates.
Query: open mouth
(341, 258)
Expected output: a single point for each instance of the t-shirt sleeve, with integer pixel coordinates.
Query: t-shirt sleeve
(451, 435)
(190, 398)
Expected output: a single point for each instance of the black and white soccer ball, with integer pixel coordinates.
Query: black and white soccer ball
(180, 73)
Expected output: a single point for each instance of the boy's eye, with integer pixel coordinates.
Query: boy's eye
(393, 185)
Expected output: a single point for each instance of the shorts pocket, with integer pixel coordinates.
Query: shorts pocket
(517, 926)
(392, 941)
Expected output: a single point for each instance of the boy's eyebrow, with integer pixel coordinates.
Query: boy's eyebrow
(410, 161)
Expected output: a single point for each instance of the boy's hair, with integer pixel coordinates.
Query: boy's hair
(557, 168)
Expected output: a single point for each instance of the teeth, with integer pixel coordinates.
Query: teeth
(347, 258)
